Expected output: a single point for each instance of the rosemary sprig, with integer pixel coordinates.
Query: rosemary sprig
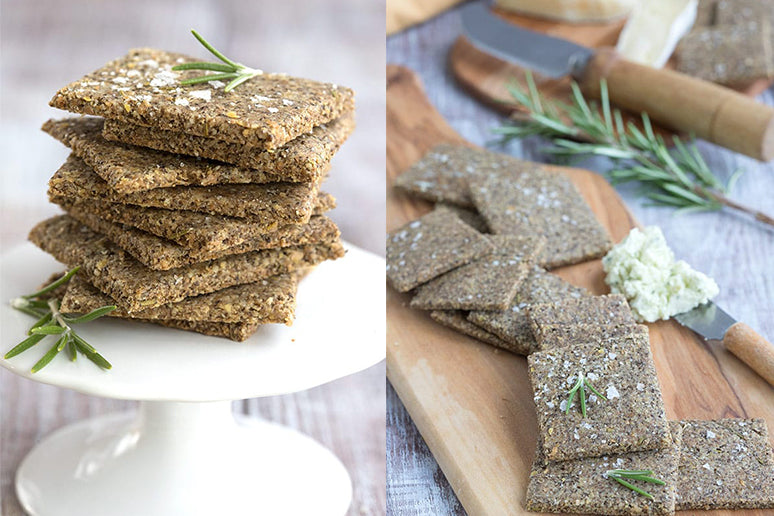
(50, 321)
(680, 178)
(622, 476)
(228, 69)
(580, 389)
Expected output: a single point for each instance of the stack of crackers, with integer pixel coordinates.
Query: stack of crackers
(189, 206)
(480, 261)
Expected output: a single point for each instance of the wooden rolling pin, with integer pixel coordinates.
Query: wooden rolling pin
(685, 104)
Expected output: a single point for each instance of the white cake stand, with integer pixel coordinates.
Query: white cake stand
(184, 453)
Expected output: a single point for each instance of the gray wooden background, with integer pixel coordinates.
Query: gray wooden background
(48, 43)
(735, 251)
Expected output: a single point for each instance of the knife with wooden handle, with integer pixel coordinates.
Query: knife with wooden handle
(713, 323)
(683, 103)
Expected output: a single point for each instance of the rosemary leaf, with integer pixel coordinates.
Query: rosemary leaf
(49, 356)
(633, 487)
(53, 286)
(24, 345)
(94, 314)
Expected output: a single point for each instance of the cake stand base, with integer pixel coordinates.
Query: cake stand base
(181, 458)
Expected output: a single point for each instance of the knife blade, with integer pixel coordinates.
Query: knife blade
(676, 101)
(708, 320)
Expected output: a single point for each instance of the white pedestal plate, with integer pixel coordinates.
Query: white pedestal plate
(184, 453)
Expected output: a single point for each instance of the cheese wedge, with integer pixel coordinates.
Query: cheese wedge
(577, 11)
(654, 29)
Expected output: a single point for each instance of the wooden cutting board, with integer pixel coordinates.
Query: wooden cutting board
(487, 77)
(473, 403)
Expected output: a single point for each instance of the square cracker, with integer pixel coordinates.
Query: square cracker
(270, 300)
(265, 112)
(564, 336)
(545, 204)
(738, 12)
(488, 283)
(444, 172)
(468, 216)
(512, 324)
(632, 418)
(129, 168)
(456, 320)
(429, 246)
(265, 204)
(581, 486)
(136, 287)
(725, 464)
(237, 331)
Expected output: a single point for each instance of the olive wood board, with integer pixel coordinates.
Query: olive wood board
(487, 77)
(471, 402)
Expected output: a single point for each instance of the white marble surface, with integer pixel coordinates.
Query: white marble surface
(737, 252)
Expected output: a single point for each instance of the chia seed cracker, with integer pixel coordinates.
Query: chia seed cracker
(739, 12)
(281, 203)
(725, 464)
(456, 320)
(129, 168)
(729, 54)
(265, 112)
(161, 254)
(239, 331)
(444, 172)
(469, 217)
(543, 204)
(564, 336)
(429, 246)
(488, 283)
(512, 324)
(200, 234)
(135, 287)
(270, 300)
(631, 419)
(581, 486)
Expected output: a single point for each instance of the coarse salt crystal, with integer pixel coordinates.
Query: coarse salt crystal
(180, 101)
(201, 94)
(707, 466)
(163, 78)
(287, 102)
(710, 434)
(273, 110)
(612, 392)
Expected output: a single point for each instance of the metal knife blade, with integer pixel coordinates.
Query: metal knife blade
(708, 320)
(552, 57)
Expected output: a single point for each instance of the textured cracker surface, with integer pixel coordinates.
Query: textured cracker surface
(266, 111)
(469, 216)
(579, 486)
(305, 158)
(282, 203)
(488, 283)
(443, 174)
(239, 331)
(429, 246)
(543, 204)
(457, 320)
(270, 300)
(737, 12)
(631, 419)
(571, 319)
(512, 324)
(129, 168)
(136, 287)
(563, 336)
(725, 464)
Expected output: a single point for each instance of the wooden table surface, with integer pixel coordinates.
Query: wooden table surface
(737, 253)
(48, 43)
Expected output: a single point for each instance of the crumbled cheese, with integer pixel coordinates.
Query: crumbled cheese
(644, 270)
(201, 94)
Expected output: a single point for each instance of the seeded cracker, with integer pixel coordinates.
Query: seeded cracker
(488, 283)
(239, 332)
(286, 203)
(270, 300)
(512, 324)
(265, 112)
(135, 287)
(738, 12)
(579, 486)
(631, 419)
(570, 320)
(725, 464)
(443, 173)
(456, 320)
(543, 204)
(430, 246)
(227, 235)
(160, 254)
(469, 217)
(128, 168)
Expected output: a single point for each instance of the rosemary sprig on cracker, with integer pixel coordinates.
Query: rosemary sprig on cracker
(622, 476)
(580, 389)
(44, 306)
(680, 178)
(227, 69)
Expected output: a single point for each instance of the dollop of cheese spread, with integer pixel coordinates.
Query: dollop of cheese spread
(643, 268)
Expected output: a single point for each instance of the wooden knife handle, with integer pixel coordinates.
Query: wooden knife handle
(752, 349)
(684, 104)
